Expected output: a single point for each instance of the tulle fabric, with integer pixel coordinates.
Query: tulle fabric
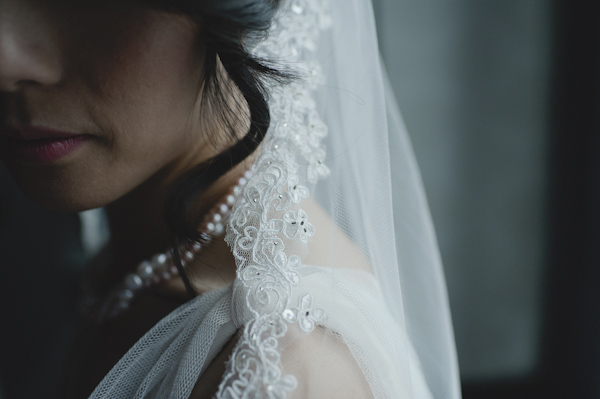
(340, 290)
(167, 361)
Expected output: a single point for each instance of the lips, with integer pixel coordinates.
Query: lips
(39, 144)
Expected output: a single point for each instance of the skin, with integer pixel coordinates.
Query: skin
(130, 77)
(122, 73)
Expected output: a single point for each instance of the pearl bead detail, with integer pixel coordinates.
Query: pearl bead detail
(145, 269)
(133, 282)
(189, 256)
(126, 295)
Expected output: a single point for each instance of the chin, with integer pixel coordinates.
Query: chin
(68, 194)
(65, 201)
(66, 205)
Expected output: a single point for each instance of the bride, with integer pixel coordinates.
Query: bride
(202, 128)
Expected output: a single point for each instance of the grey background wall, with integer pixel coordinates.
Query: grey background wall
(471, 78)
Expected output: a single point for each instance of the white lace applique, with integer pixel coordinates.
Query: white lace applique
(297, 225)
(305, 315)
(267, 216)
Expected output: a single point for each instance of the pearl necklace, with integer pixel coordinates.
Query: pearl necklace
(161, 267)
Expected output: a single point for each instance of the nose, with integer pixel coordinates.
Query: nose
(27, 50)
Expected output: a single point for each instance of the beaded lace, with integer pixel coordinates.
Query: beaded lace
(268, 219)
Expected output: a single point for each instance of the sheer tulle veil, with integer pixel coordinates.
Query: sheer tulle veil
(339, 280)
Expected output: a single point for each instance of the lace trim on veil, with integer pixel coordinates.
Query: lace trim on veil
(267, 224)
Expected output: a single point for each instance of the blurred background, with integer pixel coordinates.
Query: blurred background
(502, 101)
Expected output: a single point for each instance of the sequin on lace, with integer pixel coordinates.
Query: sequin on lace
(268, 218)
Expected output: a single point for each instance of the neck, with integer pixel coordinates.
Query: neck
(138, 229)
(137, 225)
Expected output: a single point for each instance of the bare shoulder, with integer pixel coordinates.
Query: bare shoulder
(323, 366)
(330, 245)
(321, 362)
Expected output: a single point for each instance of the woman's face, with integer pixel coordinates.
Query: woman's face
(96, 98)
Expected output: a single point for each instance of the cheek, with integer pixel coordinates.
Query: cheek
(143, 79)
(139, 86)
(132, 83)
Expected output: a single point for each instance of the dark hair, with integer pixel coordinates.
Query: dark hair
(226, 27)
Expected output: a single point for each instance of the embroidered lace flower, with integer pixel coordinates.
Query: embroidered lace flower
(263, 223)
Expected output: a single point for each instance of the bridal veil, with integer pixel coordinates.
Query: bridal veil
(340, 289)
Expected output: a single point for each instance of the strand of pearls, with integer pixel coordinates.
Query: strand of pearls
(161, 266)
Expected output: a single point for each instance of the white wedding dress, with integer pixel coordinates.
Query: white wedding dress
(167, 361)
(339, 289)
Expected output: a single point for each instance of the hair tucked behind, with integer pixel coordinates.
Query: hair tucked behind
(225, 28)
